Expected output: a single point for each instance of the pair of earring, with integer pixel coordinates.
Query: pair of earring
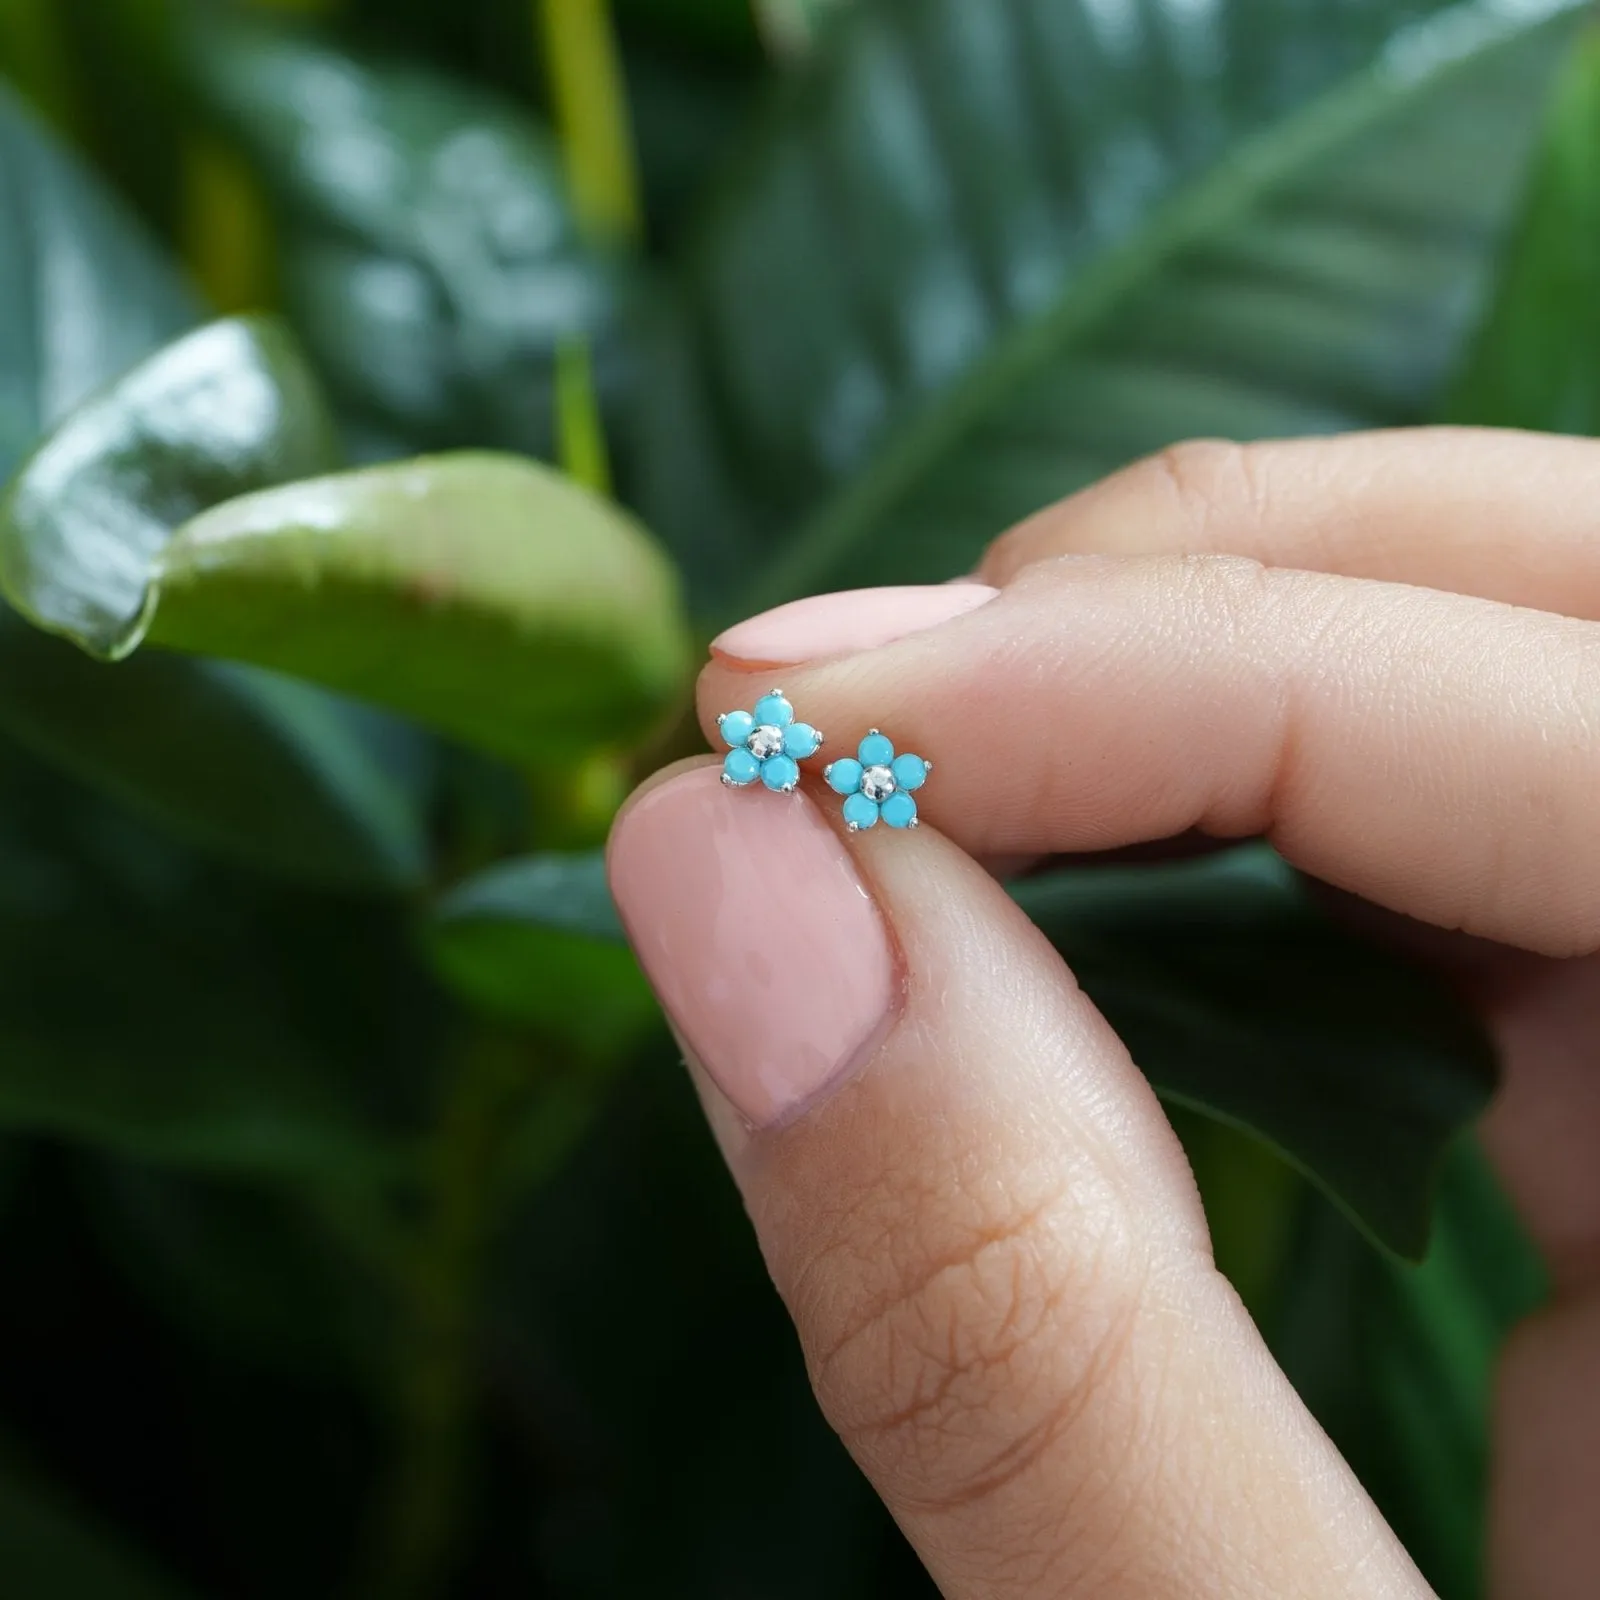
(767, 745)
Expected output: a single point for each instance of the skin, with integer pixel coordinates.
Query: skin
(1382, 653)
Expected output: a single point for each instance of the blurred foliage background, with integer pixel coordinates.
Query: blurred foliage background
(393, 396)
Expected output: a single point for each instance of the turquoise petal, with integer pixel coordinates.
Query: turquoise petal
(741, 767)
(875, 751)
(779, 772)
(899, 810)
(800, 740)
(910, 772)
(843, 777)
(860, 812)
(735, 727)
(772, 710)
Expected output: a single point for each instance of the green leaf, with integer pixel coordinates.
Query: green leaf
(431, 259)
(537, 942)
(482, 594)
(83, 293)
(247, 763)
(1238, 998)
(159, 1009)
(230, 408)
(52, 1550)
(1536, 363)
(241, 760)
(1058, 236)
(1397, 1362)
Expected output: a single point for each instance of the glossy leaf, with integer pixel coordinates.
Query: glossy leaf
(482, 594)
(52, 1550)
(1536, 363)
(225, 410)
(431, 260)
(1236, 997)
(245, 762)
(1059, 235)
(537, 941)
(83, 293)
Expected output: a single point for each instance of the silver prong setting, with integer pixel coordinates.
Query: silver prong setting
(727, 782)
(915, 822)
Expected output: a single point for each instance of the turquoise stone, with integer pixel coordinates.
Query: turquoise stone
(800, 740)
(775, 710)
(844, 777)
(779, 772)
(910, 772)
(899, 810)
(735, 727)
(875, 751)
(860, 811)
(741, 767)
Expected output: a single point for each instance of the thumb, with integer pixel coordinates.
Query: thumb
(979, 1219)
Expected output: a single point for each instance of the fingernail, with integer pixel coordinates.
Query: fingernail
(840, 624)
(758, 935)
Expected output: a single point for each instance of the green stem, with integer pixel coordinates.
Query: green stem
(580, 430)
(591, 111)
(420, 1505)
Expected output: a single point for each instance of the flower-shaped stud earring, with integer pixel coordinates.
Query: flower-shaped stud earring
(766, 743)
(878, 784)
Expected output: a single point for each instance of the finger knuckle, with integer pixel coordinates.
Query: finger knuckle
(979, 1348)
(1217, 486)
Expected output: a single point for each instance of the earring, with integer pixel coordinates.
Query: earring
(766, 743)
(878, 783)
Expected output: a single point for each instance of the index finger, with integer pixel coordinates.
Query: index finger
(1435, 753)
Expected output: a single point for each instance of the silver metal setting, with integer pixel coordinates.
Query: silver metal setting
(765, 741)
(877, 783)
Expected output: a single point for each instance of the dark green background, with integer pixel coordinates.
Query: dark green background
(359, 1234)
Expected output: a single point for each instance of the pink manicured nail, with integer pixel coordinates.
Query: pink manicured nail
(757, 933)
(840, 624)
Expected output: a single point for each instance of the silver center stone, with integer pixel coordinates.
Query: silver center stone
(877, 783)
(764, 742)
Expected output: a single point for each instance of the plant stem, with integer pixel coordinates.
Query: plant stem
(421, 1504)
(590, 102)
(580, 430)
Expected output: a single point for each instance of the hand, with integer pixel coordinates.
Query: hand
(1380, 652)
